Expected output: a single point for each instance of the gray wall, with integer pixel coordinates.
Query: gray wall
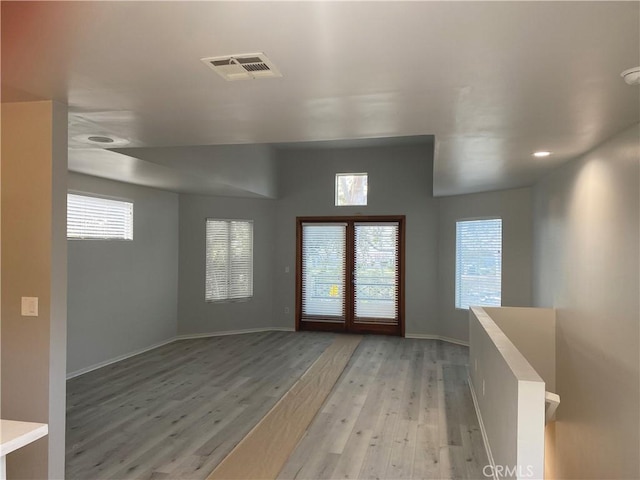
(400, 179)
(198, 316)
(400, 182)
(586, 245)
(514, 207)
(123, 294)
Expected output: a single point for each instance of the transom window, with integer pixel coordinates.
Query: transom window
(98, 218)
(229, 262)
(479, 263)
(351, 189)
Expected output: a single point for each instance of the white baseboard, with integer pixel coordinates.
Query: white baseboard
(233, 332)
(230, 332)
(485, 439)
(423, 336)
(119, 358)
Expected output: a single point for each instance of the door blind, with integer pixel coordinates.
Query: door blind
(479, 263)
(376, 272)
(323, 271)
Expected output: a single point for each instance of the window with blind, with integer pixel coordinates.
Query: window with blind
(229, 262)
(479, 263)
(98, 218)
(323, 271)
(376, 272)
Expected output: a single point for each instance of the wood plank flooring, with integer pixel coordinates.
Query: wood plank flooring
(177, 411)
(264, 451)
(401, 409)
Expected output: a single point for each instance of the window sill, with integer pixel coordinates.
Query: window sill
(231, 300)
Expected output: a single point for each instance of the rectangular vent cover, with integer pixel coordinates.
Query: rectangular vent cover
(247, 66)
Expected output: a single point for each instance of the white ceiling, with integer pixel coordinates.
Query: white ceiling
(492, 81)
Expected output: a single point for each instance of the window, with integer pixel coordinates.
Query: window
(351, 189)
(98, 218)
(479, 263)
(229, 269)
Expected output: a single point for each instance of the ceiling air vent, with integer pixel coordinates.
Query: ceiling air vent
(247, 66)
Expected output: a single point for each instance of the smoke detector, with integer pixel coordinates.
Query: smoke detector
(631, 76)
(246, 66)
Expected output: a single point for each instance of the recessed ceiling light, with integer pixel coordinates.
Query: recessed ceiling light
(631, 76)
(101, 140)
(541, 154)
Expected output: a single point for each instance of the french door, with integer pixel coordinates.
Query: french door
(350, 274)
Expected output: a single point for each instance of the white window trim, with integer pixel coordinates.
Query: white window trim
(230, 300)
(455, 255)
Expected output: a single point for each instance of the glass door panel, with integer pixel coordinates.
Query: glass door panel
(349, 274)
(375, 276)
(323, 272)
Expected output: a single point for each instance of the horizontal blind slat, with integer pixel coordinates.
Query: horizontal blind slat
(229, 263)
(323, 270)
(98, 218)
(376, 272)
(478, 263)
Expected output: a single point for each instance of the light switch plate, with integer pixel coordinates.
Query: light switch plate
(29, 306)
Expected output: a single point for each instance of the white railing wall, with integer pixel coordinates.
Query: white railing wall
(508, 392)
(533, 332)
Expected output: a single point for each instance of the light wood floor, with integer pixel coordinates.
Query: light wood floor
(401, 409)
(177, 411)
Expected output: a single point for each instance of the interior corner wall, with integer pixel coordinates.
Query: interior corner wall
(33, 176)
(514, 208)
(123, 294)
(59, 299)
(586, 252)
(196, 316)
(399, 183)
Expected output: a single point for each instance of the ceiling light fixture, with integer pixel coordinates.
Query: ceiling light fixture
(101, 140)
(541, 154)
(631, 76)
